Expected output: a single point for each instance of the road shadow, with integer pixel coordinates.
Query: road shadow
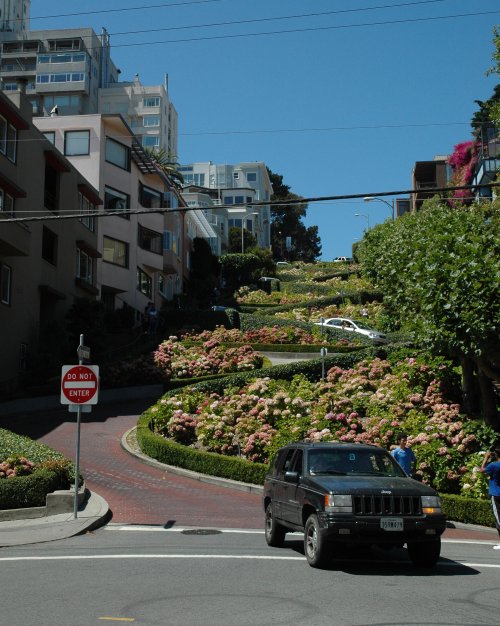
(36, 424)
(374, 561)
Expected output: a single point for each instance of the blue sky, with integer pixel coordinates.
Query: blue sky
(343, 103)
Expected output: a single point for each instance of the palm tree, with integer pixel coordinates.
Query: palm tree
(166, 162)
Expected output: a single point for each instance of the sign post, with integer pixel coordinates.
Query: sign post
(323, 352)
(79, 390)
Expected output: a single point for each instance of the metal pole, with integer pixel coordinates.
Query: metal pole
(242, 238)
(77, 460)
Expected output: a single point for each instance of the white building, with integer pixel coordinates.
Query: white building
(148, 111)
(238, 188)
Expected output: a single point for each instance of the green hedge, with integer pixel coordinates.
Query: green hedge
(172, 453)
(21, 492)
(355, 297)
(467, 510)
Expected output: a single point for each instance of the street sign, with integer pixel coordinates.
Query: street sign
(79, 384)
(83, 353)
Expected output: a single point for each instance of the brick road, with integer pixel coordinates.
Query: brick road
(136, 493)
(140, 494)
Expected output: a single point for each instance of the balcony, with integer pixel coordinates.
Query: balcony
(15, 239)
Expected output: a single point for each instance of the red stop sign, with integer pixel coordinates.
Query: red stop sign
(79, 384)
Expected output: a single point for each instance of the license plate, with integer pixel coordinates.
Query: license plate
(391, 523)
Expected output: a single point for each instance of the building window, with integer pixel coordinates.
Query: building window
(170, 241)
(151, 102)
(84, 265)
(62, 58)
(150, 240)
(150, 141)
(239, 199)
(49, 246)
(8, 139)
(76, 142)
(149, 198)
(115, 251)
(5, 283)
(86, 207)
(251, 177)
(60, 77)
(118, 154)
(165, 286)
(151, 120)
(144, 283)
(50, 197)
(115, 200)
(6, 203)
(50, 136)
(228, 200)
(236, 175)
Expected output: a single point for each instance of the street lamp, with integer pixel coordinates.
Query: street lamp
(244, 214)
(367, 218)
(389, 204)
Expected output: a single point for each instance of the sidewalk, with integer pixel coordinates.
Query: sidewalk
(94, 512)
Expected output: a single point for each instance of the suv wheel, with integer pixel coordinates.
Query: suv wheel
(315, 547)
(275, 533)
(425, 554)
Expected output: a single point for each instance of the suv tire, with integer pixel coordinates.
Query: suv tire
(316, 548)
(425, 554)
(275, 533)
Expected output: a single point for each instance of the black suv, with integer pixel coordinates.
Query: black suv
(350, 494)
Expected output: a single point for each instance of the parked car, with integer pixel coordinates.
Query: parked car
(342, 259)
(282, 263)
(351, 494)
(356, 326)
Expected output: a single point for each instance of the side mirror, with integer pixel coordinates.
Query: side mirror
(291, 477)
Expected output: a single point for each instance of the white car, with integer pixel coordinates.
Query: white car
(355, 326)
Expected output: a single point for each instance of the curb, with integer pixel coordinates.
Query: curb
(130, 445)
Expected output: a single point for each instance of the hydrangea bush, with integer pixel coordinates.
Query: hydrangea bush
(264, 335)
(179, 361)
(369, 403)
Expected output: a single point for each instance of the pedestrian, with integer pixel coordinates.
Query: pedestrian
(153, 318)
(404, 455)
(492, 470)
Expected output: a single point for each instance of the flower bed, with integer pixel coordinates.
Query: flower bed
(368, 403)
(179, 361)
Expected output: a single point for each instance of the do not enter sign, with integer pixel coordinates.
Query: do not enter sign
(79, 384)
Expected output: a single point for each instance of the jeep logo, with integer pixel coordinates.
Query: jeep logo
(386, 493)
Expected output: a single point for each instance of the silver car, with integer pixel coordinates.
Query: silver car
(355, 326)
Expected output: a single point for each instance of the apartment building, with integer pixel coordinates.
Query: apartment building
(60, 70)
(238, 187)
(427, 176)
(147, 110)
(142, 249)
(46, 259)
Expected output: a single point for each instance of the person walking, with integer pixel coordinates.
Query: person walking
(404, 455)
(492, 470)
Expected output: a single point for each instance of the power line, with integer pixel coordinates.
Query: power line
(256, 204)
(267, 131)
(304, 30)
(122, 9)
(177, 4)
(277, 18)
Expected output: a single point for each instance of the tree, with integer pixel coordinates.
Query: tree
(439, 270)
(166, 162)
(235, 234)
(286, 222)
(205, 269)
